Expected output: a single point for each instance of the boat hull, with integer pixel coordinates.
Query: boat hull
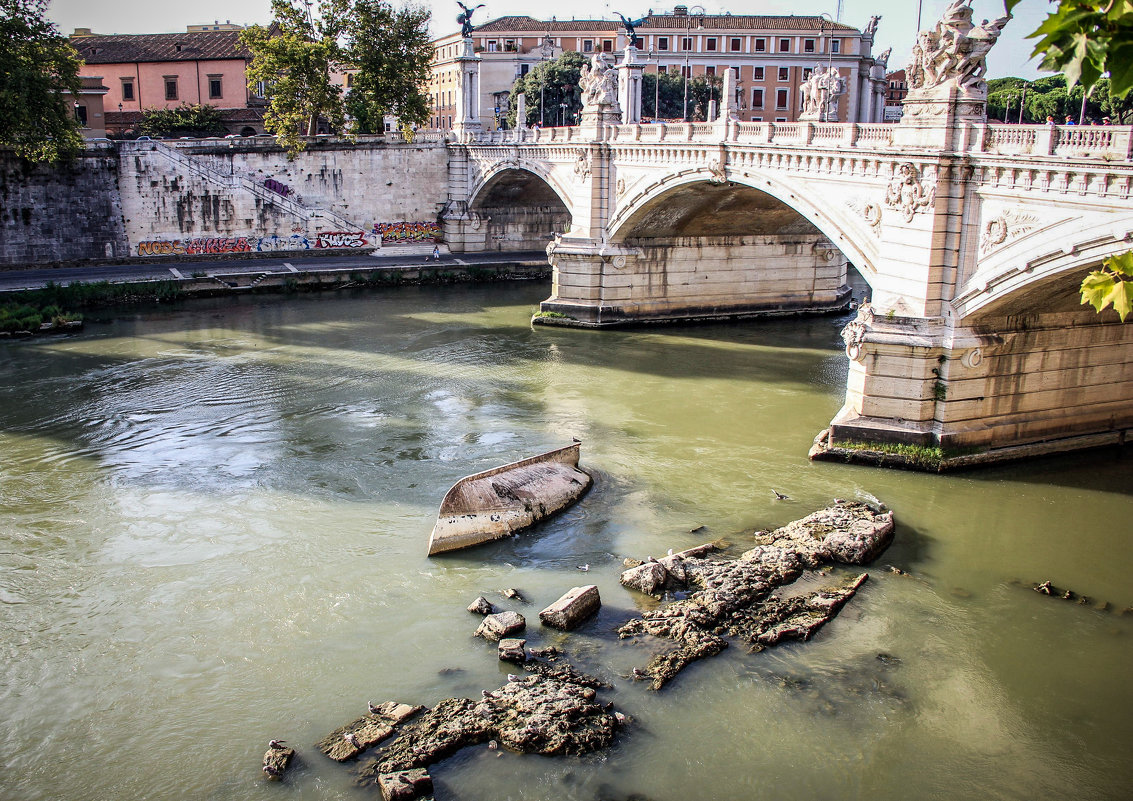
(499, 502)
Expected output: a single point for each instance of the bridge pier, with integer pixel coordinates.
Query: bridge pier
(680, 279)
(1002, 387)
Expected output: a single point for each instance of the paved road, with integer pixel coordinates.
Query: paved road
(286, 262)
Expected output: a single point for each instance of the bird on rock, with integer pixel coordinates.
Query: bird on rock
(638, 673)
(585, 567)
(373, 709)
(512, 677)
(272, 772)
(277, 745)
(351, 738)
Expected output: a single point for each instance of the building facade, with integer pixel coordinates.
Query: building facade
(771, 55)
(205, 65)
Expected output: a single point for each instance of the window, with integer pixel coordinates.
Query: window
(780, 98)
(662, 69)
(835, 45)
(808, 45)
(784, 73)
(710, 71)
(736, 44)
(493, 46)
(807, 71)
(607, 45)
(710, 44)
(757, 98)
(686, 72)
(757, 119)
(509, 45)
(587, 45)
(736, 73)
(81, 113)
(170, 88)
(214, 85)
(784, 45)
(761, 45)
(686, 43)
(662, 42)
(127, 89)
(780, 119)
(524, 69)
(757, 73)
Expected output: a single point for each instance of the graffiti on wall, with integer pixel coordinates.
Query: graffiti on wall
(192, 247)
(340, 239)
(245, 244)
(399, 232)
(277, 187)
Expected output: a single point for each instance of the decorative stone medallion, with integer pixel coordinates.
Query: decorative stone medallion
(908, 193)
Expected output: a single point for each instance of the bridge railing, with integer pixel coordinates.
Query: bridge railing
(1103, 142)
(1108, 142)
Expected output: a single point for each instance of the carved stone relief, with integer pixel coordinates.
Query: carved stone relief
(1008, 225)
(908, 193)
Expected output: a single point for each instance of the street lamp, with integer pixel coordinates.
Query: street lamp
(545, 52)
(563, 106)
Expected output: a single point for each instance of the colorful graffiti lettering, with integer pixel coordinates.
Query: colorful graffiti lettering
(340, 239)
(408, 231)
(269, 244)
(277, 187)
(165, 247)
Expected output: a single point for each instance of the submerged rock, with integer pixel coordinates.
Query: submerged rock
(405, 785)
(276, 760)
(496, 627)
(531, 715)
(481, 606)
(512, 650)
(573, 608)
(359, 735)
(733, 596)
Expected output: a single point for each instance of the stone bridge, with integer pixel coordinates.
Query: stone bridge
(973, 238)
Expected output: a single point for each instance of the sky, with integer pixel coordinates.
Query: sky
(898, 25)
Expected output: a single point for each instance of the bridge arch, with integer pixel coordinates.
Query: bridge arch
(785, 201)
(518, 207)
(1041, 273)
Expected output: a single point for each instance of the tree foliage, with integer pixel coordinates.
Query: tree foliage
(1085, 39)
(548, 86)
(37, 64)
(1050, 96)
(1111, 286)
(298, 56)
(392, 52)
(294, 58)
(184, 120)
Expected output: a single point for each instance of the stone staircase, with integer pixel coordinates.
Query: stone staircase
(229, 179)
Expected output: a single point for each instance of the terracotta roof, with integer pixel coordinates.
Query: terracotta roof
(128, 48)
(728, 22)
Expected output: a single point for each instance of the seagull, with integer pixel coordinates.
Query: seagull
(584, 567)
(512, 677)
(670, 553)
(277, 745)
(638, 673)
(780, 496)
(272, 772)
(486, 694)
(373, 709)
(351, 738)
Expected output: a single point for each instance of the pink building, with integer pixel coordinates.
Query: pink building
(164, 70)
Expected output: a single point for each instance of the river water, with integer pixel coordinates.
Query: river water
(213, 522)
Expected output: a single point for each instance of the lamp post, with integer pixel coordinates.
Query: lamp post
(545, 52)
(1022, 104)
(563, 106)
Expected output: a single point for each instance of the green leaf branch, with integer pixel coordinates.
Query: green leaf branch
(1112, 285)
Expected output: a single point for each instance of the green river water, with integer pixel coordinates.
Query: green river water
(213, 522)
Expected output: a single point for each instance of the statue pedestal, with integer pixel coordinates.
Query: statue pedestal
(936, 118)
(467, 123)
(629, 86)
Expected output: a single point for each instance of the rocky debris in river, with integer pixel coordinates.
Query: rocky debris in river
(1046, 588)
(733, 596)
(849, 532)
(367, 731)
(531, 715)
(573, 608)
(406, 785)
(513, 594)
(512, 650)
(277, 759)
(499, 625)
(481, 606)
(654, 576)
(550, 665)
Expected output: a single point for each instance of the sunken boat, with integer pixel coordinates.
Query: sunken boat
(499, 502)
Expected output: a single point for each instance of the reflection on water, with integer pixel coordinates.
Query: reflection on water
(213, 524)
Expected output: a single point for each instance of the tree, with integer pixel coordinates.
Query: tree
(392, 51)
(1086, 40)
(294, 58)
(662, 95)
(547, 87)
(37, 65)
(185, 120)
